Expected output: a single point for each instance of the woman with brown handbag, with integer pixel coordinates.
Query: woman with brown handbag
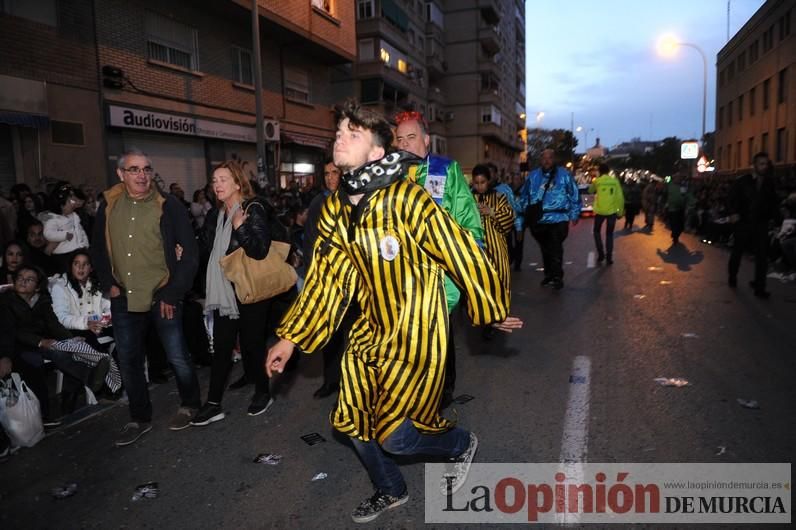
(243, 223)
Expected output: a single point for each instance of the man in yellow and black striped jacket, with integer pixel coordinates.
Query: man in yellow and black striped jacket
(384, 242)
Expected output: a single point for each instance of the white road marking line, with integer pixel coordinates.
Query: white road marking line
(591, 260)
(575, 439)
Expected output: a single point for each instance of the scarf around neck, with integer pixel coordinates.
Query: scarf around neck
(220, 291)
(379, 174)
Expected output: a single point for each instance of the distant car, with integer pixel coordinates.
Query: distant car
(586, 201)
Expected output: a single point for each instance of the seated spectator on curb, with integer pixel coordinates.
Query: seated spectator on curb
(62, 224)
(78, 302)
(39, 251)
(28, 317)
(13, 258)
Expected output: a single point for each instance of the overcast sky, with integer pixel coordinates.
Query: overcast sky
(598, 60)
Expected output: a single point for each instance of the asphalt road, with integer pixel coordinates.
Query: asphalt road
(743, 348)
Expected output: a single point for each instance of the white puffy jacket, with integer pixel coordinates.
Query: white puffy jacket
(73, 310)
(56, 227)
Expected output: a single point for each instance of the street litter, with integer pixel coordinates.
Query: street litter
(267, 458)
(748, 403)
(639, 296)
(567, 263)
(689, 335)
(666, 282)
(591, 260)
(462, 399)
(671, 381)
(62, 492)
(149, 490)
(319, 476)
(540, 269)
(655, 269)
(313, 438)
(721, 451)
(533, 264)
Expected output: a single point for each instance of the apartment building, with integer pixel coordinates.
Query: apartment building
(756, 93)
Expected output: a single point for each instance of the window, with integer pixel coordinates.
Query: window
(66, 133)
(172, 42)
(784, 26)
(764, 142)
(782, 145)
(242, 66)
(740, 107)
(754, 51)
(752, 94)
(326, 6)
(750, 149)
(41, 11)
(766, 93)
(731, 71)
(490, 114)
(729, 156)
(434, 14)
(719, 158)
(742, 61)
(365, 49)
(768, 39)
(782, 86)
(738, 154)
(403, 67)
(297, 84)
(729, 114)
(722, 77)
(365, 9)
(721, 117)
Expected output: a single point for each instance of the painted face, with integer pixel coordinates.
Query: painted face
(480, 184)
(13, 257)
(136, 175)
(224, 185)
(331, 176)
(354, 147)
(81, 268)
(409, 136)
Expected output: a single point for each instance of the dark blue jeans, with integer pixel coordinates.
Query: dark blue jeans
(610, 224)
(406, 440)
(130, 330)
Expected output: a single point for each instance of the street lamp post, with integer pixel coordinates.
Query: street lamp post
(585, 132)
(667, 46)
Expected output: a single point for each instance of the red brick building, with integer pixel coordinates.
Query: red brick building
(176, 80)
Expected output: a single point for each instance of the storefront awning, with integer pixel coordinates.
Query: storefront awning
(21, 119)
(306, 139)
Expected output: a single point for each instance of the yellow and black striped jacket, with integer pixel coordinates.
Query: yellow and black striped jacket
(496, 228)
(390, 252)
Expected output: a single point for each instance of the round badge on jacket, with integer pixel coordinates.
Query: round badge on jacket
(389, 247)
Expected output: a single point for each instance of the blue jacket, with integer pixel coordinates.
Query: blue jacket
(562, 200)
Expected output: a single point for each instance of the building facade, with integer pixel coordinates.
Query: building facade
(174, 79)
(461, 63)
(756, 92)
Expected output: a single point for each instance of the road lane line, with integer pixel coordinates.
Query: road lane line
(575, 439)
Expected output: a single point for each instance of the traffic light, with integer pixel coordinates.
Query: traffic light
(112, 77)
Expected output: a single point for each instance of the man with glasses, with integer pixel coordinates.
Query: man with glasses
(136, 234)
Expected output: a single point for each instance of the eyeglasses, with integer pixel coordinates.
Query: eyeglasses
(27, 279)
(135, 170)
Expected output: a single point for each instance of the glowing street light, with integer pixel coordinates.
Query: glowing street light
(539, 116)
(667, 47)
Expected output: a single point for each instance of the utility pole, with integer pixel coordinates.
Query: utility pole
(258, 93)
(728, 20)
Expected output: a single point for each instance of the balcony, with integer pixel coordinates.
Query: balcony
(436, 66)
(380, 28)
(492, 131)
(377, 69)
(489, 67)
(491, 97)
(490, 11)
(434, 32)
(436, 95)
(489, 38)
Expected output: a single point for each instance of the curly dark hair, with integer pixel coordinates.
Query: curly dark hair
(359, 116)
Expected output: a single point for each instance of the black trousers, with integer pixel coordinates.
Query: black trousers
(334, 349)
(30, 366)
(610, 225)
(676, 223)
(515, 248)
(630, 216)
(752, 238)
(450, 362)
(550, 237)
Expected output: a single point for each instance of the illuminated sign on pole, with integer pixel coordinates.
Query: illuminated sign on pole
(689, 150)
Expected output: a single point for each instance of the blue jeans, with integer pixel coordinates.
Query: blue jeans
(130, 331)
(406, 440)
